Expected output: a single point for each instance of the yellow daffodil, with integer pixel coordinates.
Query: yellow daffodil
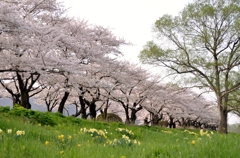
(202, 132)
(19, 133)
(61, 136)
(193, 142)
(9, 131)
(47, 142)
(208, 135)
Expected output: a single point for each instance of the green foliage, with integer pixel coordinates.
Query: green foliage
(44, 118)
(202, 43)
(73, 137)
(4, 109)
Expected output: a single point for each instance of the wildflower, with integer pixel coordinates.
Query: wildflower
(47, 142)
(19, 133)
(193, 142)
(208, 135)
(69, 137)
(192, 133)
(136, 142)
(125, 137)
(79, 145)
(61, 152)
(0, 131)
(203, 133)
(126, 131)
(123, 157)
(9, 131)
(61, 137)
(83, 129)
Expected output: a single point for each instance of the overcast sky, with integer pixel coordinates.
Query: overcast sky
(128, 19)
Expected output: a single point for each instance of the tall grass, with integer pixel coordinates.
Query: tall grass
(69, 137)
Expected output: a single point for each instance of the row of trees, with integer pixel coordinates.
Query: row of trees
(60, 61)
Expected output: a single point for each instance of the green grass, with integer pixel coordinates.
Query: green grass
(50, 135)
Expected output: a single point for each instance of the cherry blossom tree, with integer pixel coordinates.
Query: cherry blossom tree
(37, 38)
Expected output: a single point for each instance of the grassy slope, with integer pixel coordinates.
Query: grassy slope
(64, 138)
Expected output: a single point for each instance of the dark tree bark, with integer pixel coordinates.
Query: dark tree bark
(171, 123)
(25, 86)
(83, 111)
(92, 110)
(134, 112)
(128, 121)
(223, 121)
(63, 101)
(25, 99)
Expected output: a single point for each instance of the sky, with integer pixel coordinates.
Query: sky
(128, 19)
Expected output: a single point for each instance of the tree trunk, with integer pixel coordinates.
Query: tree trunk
(223, 120)
(16, 99)
(128, 121)
(63, 101)
(24, 92)
(171, 123)
(83, 107)
(133, 115)
(105, 111)
(25, 99)
(92, 110)
(155, 119)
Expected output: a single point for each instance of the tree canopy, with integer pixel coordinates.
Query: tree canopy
(202, 43)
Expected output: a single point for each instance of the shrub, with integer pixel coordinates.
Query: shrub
(163, 123)
(110, 118)
(44, 118)
(20, 111)
(4, 109)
